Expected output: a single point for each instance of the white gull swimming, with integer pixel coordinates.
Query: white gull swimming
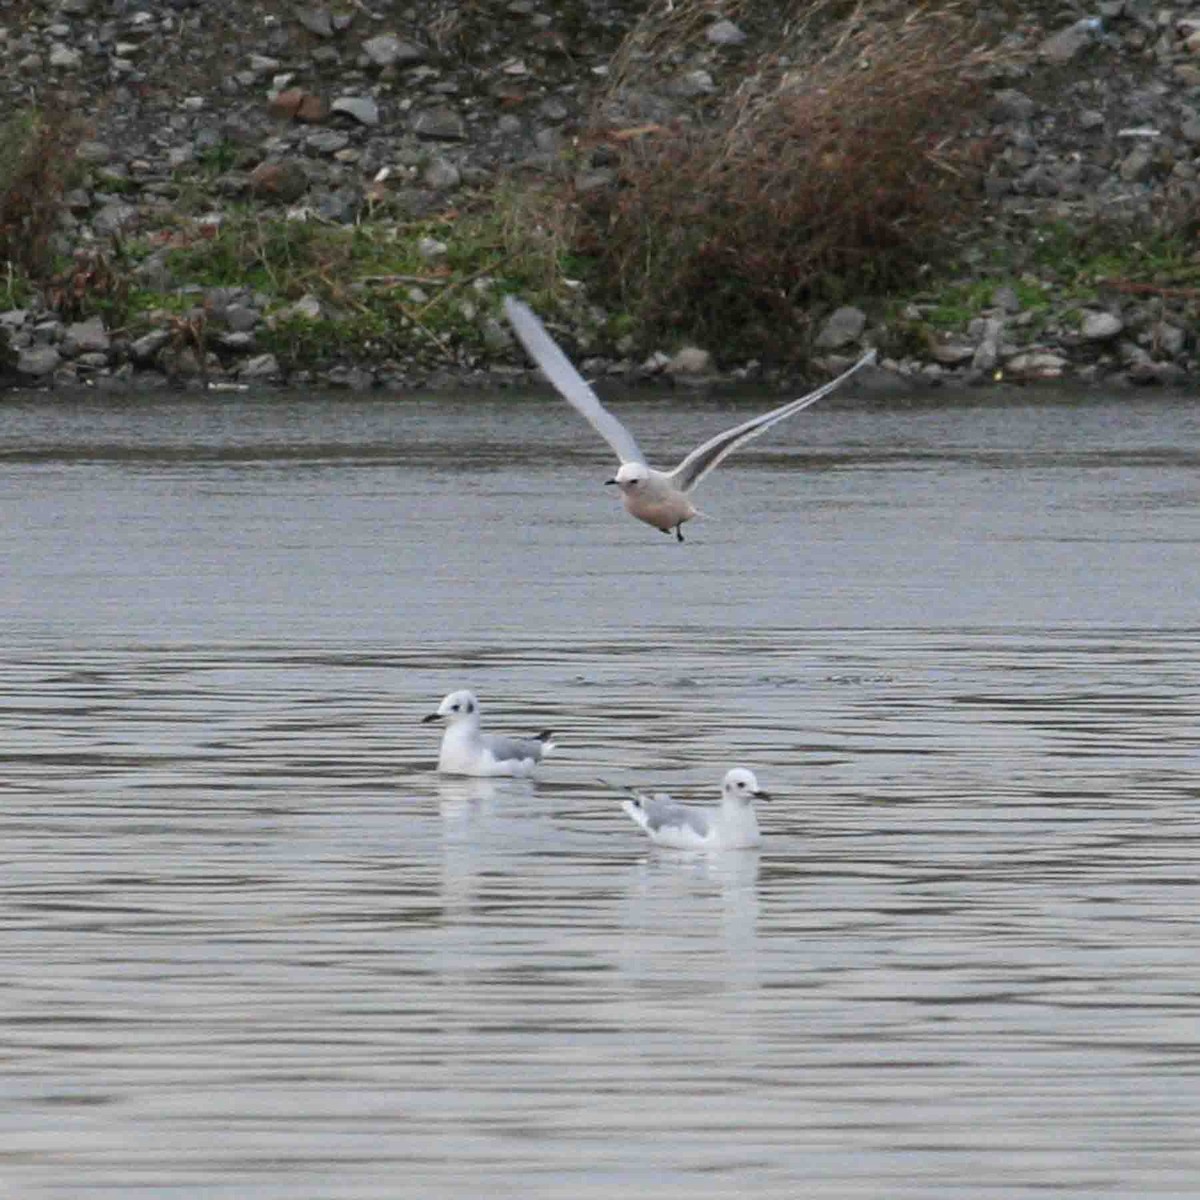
(467, 750)
(730, 826)
(660, 498)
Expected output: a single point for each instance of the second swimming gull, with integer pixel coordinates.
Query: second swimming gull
(467, 750)
(731, 826)
(660, 498)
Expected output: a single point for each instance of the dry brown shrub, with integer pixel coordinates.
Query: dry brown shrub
(820, 178)
(37, 161)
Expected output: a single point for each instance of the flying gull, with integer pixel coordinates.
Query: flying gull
(660, 498)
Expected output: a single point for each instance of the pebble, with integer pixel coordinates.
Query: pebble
(844, 327)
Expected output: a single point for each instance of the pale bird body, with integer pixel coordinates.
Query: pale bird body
(730, 826)
(660, 498)
(467, 750)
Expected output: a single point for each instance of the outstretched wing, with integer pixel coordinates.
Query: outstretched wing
(705, 457)
(570, 384)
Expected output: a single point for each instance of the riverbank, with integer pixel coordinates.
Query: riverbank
(319, 196)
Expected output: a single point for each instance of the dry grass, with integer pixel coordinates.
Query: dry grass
(821, 177)
(37, 160)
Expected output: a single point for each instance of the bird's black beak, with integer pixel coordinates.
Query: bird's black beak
(761, 795)
(431, 717)
(609, 482)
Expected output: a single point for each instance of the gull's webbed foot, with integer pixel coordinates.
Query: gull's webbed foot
(679, 532)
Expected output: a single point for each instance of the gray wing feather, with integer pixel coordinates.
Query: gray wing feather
(704, 458)
(666, 814)
(571, 385)
(505, 748)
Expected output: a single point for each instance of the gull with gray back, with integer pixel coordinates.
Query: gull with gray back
(660, 498)
(467, 750)
(730, 826)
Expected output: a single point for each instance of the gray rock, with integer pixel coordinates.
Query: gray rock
(951, 352)
(14, 318)
(241, 318)
(63, 58)
(439, 124)
(693, 83)
(1012, 105)
(261, 366)
(1189, 130)
(327, 141)
(1170, 339)
(987, 353)
(1147, 372)
(77, 200)
(495, 336)
(86, 337)
(307, 307)
(362, 108)
(37, 361)
(387, 50)
(115, 217)
(316, 20)
(1006, 299)
(595, 180)
(844, 326)
(94, 153)
(144, 350)
(441, 174)
(342, 206)
(724, 33)
(75, 8)
(1138, 165)
(1100, 326)
(355, 378)
(1130, 353)
(48, 330)
(1036, 364)
(1068, 43)
(690, 360)
(241, 342)
(553, 109)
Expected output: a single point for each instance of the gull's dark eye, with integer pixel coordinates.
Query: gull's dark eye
(454, 708)
(470, 707)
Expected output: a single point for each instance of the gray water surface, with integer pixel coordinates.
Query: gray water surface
(252, 946)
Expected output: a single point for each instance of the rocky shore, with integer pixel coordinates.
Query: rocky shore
(371, 116)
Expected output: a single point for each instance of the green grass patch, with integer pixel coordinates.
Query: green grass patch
(384, 287)
(1080, 260)
(958, 304)
(16, 288)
